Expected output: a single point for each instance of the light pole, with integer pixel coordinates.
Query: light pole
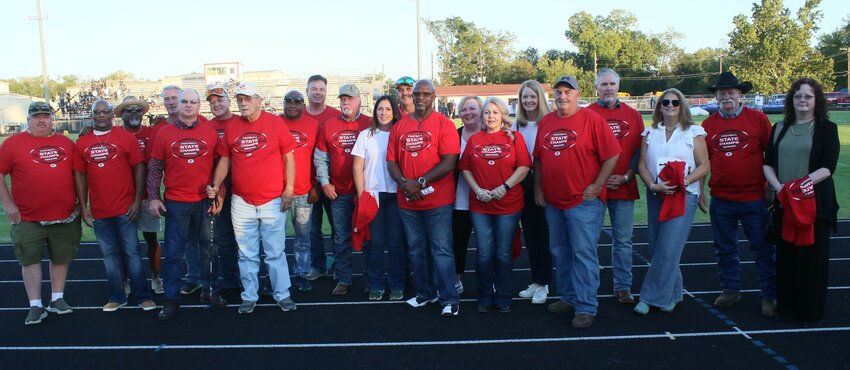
(43, 55)
(418, 44)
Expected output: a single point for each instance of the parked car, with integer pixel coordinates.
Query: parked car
(843, 102)
(832, 97)
(776, 99)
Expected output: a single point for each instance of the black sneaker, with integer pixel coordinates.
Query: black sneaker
(451, 310)
(35, 315)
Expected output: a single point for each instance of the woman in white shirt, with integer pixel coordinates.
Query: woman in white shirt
(672, 137)
(533, 105)
(370, 175)
(469, 110)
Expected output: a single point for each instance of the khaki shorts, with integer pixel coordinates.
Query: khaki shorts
(62, 240)
(148, 223)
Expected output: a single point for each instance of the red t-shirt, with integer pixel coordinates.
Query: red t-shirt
(627, 126)
(416, 147)
(143, 136)
(256, 151)
(304, 130)
(220, 126)
(328, 113)
(42, 175)
(337, 137)
(108, 161)
(571, 151)
(163, 123)
(492, 159)
(188, 157)
(736, 151)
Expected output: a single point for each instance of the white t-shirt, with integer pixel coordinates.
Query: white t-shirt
(529, 133)
(373, 149)
(680, 147)
(462, 188)
(759, 100)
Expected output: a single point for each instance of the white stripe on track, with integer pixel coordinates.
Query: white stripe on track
(634, 337)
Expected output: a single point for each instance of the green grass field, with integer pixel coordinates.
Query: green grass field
(842, 180)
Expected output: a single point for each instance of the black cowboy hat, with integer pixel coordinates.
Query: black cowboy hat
(728, 80)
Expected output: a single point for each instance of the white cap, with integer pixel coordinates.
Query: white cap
(247, 88)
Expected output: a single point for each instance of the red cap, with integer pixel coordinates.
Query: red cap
(365, 209)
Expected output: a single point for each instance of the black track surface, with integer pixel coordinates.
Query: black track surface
(350, 332)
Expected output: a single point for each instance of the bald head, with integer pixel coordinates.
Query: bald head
(293, 105)
(423, 98)
(294, 94)
(424, 84)
(189, 105)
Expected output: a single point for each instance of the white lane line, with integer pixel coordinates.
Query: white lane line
(634, 337)
(369, 303)
(742, 333)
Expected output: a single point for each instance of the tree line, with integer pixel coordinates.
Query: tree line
(770, 47)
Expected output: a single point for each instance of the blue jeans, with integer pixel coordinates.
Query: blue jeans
(753, 216)
(622, 213)
(494, 235)
(192, 257)
(301, 220)
(386, 230)
(342, 208)
(185, 221)
(225, 242)
(433, 263)
(119, 241)
(573, 238)
(250, 224)
(317, 239)
(662, 285)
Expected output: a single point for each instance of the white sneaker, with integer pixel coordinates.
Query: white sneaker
(156, 285)
(126, 288)
(540, 295)
(532, 289)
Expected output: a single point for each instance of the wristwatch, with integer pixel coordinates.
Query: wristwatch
(626, 179)
(421, 182)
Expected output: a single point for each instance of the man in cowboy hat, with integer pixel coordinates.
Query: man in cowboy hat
(737, 137)
(131, 110)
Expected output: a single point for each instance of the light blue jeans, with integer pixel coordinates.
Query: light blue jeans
(301, 221)
(250, 223)
(662, 285)
(622, 213)
(573, 238)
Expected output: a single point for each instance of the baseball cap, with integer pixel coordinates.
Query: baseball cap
(39, 107)
(570, 81)
(349, 90)
(406, 80)
(217, 91)
(247, 88)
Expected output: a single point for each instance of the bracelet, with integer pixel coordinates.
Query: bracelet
(507, 187)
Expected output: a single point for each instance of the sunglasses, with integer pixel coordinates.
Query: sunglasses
(666, 102)
(134, 109)
(293, 100)
(422, 94)
(216, 91)
(102, 111)
(405, 81)
(193, 102)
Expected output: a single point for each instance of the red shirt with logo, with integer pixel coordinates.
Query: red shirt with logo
(256, 151)
(42, 175)
(627, 125)
(220, 126)
(492, 158)
(108, 161)
(155, 128)
(736, 151)
(304, 130)
(571, 151)
(143, 136)
(417, 147)
(188, 157)
(328, 113)
(337, 138)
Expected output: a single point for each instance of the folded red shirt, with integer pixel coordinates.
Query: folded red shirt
(365, 209)
(674, 204)
(799, 207)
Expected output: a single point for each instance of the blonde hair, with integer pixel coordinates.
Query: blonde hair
(469, 97)
(522, 117)
(503, 109)
(685, 119)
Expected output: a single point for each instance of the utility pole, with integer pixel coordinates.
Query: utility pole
(721, 62)
(595, 65)
(848, 67)
(419, 45)
(43, 56)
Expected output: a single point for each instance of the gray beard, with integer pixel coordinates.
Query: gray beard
(133, 122)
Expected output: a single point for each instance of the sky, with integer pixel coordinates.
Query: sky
(158, 38)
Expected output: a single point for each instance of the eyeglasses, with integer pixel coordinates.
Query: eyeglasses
(102, 111)
(216, 91)
(423, 94)
(133, 109)
(803, 97)
(666, 102)
(293, 100)
(193, 102)
(405, 81)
